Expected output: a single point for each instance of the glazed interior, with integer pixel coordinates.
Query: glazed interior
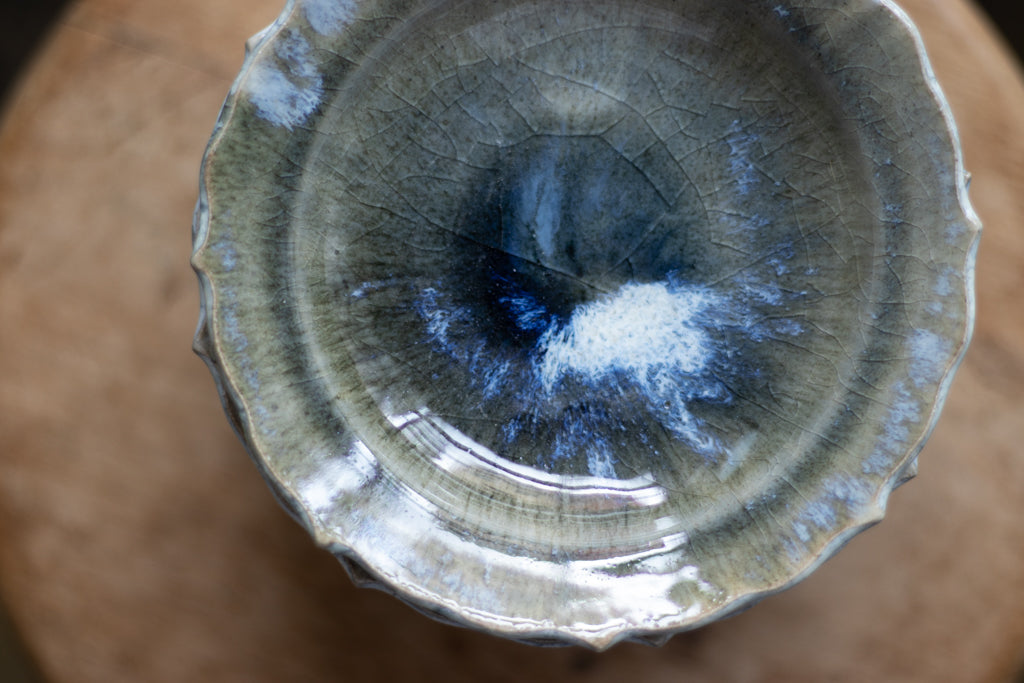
(585, 320)
(593, 240)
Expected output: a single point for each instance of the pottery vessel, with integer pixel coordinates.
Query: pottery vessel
(583, 322)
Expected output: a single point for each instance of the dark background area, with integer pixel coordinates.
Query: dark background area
(1008, 17)
(24, 24)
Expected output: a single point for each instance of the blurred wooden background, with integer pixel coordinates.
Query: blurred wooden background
(137, 543)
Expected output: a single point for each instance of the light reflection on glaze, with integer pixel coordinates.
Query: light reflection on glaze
(337, 476)
(455, 453)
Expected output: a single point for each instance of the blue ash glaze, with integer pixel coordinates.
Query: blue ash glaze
(663, 347)
(579, 332)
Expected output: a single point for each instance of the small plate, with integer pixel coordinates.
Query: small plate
(583, 322)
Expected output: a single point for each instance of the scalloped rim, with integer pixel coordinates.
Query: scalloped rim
(360, 571)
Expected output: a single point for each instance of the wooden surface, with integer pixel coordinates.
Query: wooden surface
(139, 543)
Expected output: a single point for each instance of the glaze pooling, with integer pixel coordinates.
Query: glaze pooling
(621, 367)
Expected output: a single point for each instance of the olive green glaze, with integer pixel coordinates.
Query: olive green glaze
(584, 322)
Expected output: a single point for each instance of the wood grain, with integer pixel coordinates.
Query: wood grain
(139, 544)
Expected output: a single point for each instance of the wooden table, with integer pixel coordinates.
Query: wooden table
(139, 543)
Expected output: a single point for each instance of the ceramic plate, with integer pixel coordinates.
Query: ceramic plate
(582, 322)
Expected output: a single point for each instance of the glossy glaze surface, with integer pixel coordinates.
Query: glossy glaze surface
(585, 322)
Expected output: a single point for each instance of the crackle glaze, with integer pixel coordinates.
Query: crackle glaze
(582, 322)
